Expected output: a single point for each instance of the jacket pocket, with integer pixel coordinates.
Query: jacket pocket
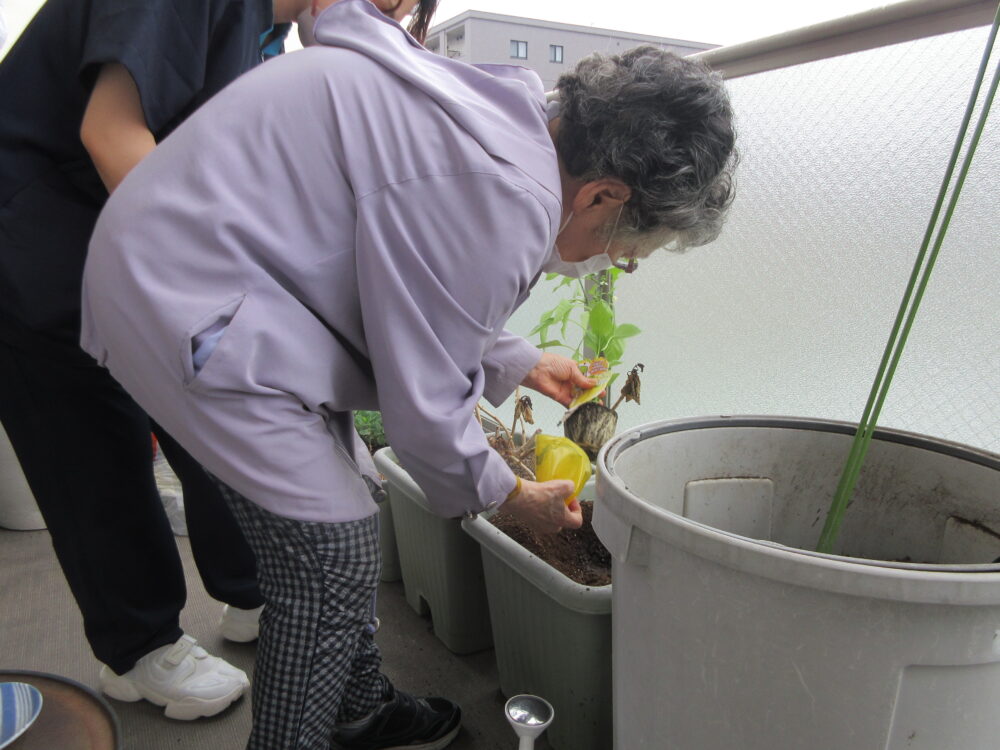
(223, 317)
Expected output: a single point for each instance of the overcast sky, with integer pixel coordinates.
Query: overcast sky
(710, 21)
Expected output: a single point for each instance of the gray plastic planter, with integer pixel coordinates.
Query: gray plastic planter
(440, 565)
(552, 637)
(391, 570)
(730, 633)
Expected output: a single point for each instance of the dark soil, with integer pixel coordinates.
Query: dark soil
(576, 553)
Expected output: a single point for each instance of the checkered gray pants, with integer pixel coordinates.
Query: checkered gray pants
(317, 663)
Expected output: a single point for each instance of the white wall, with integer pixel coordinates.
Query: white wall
(789, 311)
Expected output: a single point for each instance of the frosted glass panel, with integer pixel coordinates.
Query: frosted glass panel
(788, 312)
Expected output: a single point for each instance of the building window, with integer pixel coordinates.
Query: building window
(454, 41)
(555, 53)
(518, 49)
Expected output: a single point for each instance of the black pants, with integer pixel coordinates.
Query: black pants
(84, 446)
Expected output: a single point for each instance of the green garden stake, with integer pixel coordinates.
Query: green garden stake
(907, 312)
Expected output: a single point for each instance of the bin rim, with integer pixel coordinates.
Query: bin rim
(917, 582)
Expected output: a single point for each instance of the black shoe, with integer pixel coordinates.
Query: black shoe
(403, 723)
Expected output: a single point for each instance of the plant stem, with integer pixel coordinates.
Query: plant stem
(517, 401)
(499, 422)
(620, 397)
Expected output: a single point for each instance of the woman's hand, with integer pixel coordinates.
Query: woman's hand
(542, 506)
(557, 377)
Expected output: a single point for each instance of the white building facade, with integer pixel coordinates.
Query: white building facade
(547, 47)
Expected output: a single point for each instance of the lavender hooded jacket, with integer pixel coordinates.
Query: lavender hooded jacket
(359, 220)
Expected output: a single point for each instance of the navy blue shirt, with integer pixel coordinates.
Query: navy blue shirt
(178, 52)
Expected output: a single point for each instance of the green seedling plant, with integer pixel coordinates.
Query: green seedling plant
(584, 323)
(369, 427)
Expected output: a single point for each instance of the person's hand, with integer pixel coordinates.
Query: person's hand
(557, 377)
(541, 506)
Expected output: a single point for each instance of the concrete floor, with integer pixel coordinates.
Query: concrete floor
(41, 630)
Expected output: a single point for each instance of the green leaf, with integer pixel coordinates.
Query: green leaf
(562, 314)
(369, 427)
(592, 342)
(627, 330)
(602, 320)
(585, 320)
(614, 350)
(544, 322)
(549, 344)
(563, 310)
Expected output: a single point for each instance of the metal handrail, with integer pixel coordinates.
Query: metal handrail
(880, 27)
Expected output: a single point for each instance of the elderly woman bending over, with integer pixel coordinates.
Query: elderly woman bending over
(350, 227)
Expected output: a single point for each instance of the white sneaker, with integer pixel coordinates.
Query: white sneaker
(184, 677)
(240, 625)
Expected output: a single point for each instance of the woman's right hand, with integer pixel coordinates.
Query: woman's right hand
(542, 506)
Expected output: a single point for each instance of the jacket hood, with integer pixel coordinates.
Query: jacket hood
(501, 106)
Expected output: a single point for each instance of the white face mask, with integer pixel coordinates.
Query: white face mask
(580, 268)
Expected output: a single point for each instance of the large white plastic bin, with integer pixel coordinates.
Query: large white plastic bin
(440, 565)
(730, 633)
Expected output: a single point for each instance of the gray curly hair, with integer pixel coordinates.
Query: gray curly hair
(662, 125)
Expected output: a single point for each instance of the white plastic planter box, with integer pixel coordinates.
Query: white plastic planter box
(18, 510)
(552, 637)
(440, 565)
(730, 633)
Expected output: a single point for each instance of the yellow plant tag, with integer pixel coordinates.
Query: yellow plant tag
(561, 458)
(597, 369)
